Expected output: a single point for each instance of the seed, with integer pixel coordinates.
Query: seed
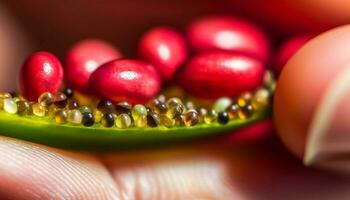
(123, 121)
(10, 106)
(166, 121)
(175, 110)
(201, 114)
(46, 99)
(39, 110)
(52, 111)
(244, 99)
(233, 110)
(123, 107)
(191, 118)
(72, 104)
(84, 109)
(105, 106)
(246, 111)
(261, 99)
(24, 108)
(68, 92)
(88, 119)
(4, 95)
(190, 105)
(153, 119)
(98, 115)
(223, 117)
(173, 101)
(60, 100)
(61, 116)
(107, 120)
(157, 106)
(75, 117)
(210, 117)
(139, 114)
(179, 121)
(222, 104)
(161, 98)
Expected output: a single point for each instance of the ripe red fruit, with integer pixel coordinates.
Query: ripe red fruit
(288, 49)
(228, 33)
(41, 72)
(217, 74)
(165, 48)
(85, 57)
(126, 79)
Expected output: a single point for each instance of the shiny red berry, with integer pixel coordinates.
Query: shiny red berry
(288, 49)
(41, 72)
(126, 80)
(165, 48)
(228, 33)
(85, 57)
(217, 74)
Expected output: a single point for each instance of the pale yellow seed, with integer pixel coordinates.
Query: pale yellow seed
(61, 117)
(261, 99)
(123, 121)
(39, 110)
(10, 106)
(75, 117)
(166, 121)
(210, 117)
(98, 115)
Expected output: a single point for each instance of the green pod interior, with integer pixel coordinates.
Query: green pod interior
(98, 138)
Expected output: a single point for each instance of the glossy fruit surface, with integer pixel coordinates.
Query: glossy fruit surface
(126, 79)
(165, 48)
(41, 72)
(85, 57)
(228, 33)
(218, 74)
(287, 50)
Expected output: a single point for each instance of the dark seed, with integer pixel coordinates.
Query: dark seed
(60, 100)
(246, 111)
(72, 104)
(153, 119)
(24, 108)
(68, 92)
(123, 107)
(105, 106)
(223, 117)
(233, 110)
(88, 119)
(108, 120)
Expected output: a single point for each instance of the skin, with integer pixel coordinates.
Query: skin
(245, 170)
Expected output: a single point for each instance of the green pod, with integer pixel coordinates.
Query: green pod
(98, 138)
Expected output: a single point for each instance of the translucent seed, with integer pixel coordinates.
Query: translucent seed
(105, 106)
(173, 101)
(223, 117)
(201, 114)
(61, 117)
(179, 121)
(166, 121)
(75, 117)
(123, 107)
(39, 110)
(157, 106)
(246, 112)
(88, 119)
(153, 119)
(51, 111)
(84, 109)
(233, 110)
(261, 99)
(60, 100)
(139, 114)
(210, 117)
(24, 108)
(46, 99)
(68, 92)
(97, 115)
(72, 104)
(175, 110)
(107, 120)
(10, 106)
(161, 98)
(244, 99)
(222, 104)
(191, 118)
(123, 121)
(4, 95)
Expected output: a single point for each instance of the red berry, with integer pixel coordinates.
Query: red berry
(288, 49)
(125, 79)
(85, 57)
(217, 74)
(165, 48)
(41, 72)
(228, 33)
